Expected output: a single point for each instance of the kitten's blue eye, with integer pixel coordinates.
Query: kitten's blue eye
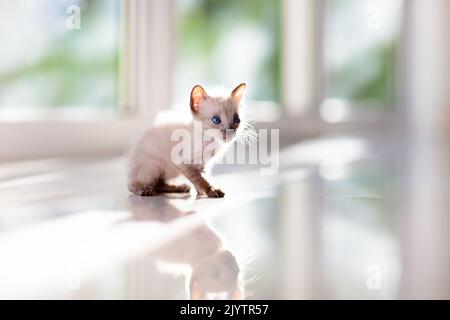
(216, 120)
(236, 118)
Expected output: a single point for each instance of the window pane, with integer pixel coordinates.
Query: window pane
(48, 60)
(225, 42)
(361, 37)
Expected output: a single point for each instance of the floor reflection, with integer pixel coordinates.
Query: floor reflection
(199, 255)
(343, 219)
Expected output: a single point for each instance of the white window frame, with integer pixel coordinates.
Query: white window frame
(145, 83)
(303, 63)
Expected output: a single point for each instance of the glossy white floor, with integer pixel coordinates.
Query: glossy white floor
(343, 218)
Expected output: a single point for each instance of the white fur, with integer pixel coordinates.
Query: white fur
(150, 155)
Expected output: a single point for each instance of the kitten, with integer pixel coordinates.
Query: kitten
(215, 120)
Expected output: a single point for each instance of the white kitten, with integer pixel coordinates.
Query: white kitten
(215, 121)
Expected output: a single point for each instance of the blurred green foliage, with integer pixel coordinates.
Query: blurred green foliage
(64, 76)
(204, 23)
(379, 88)
(368, 77)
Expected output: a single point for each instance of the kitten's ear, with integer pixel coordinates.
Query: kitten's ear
(239, 92)
(198, 94)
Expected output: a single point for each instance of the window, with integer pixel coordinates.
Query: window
(338, 56)
(225, 42)
(360, 44)
(47, 63)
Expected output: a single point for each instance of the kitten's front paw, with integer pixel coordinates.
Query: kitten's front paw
(215, 193)
(147, 190)
(141, 189)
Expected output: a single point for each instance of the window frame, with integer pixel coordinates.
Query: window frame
(146, 91)
(143, 93)
(308, 110)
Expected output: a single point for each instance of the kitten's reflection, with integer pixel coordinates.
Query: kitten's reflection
(214, 272)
